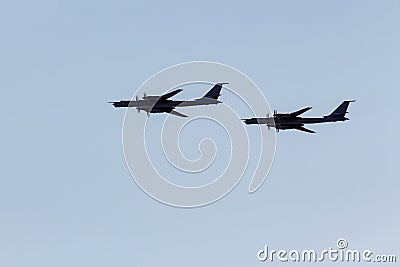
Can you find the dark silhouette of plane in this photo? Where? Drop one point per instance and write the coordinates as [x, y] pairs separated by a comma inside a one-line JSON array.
[[160, 104], [284, 121]]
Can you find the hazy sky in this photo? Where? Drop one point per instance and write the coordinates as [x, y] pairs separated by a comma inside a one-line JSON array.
[[66, 196]]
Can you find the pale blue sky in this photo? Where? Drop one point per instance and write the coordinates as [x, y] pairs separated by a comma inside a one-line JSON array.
[[66, 196]]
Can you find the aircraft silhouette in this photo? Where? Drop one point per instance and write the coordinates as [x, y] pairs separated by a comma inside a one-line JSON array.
[[160, 104], [284, 121]]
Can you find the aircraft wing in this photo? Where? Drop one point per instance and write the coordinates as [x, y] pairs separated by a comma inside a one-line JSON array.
[[301, 128], [301, 111], [171, 94], [176, 113]]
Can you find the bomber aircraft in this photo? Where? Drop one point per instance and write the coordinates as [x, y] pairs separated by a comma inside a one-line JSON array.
[[284, 121], [163, 103]]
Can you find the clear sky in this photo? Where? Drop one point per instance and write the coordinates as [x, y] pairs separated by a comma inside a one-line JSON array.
[[66, 196]]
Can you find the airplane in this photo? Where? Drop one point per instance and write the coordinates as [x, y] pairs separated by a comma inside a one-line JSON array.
[[284, 121], [163, 103]]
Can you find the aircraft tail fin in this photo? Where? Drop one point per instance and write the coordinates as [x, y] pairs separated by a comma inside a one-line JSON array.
[[341, 110], [215, 92]]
